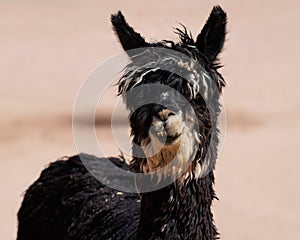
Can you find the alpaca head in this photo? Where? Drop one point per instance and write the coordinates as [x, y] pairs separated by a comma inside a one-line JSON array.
[[172, 91]]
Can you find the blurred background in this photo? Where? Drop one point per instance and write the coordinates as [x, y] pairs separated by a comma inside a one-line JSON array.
[[47, 48]]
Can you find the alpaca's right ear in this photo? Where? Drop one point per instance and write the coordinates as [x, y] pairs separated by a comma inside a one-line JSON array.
[[127, 36]]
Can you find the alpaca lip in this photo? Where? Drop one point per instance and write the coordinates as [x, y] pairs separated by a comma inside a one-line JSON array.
[[171, 139], [168, 139]]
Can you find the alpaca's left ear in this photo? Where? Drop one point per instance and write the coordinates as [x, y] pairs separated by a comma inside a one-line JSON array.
[[211, 39], [127, 36]]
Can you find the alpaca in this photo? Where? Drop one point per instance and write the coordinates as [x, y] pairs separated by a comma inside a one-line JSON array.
[[67, 202]]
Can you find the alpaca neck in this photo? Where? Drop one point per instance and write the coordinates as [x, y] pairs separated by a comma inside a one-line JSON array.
[[179, 212]]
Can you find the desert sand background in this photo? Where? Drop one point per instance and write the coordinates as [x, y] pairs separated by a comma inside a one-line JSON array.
[[47, 48]]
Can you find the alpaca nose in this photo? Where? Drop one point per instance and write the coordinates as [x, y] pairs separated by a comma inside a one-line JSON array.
[[164, 114]]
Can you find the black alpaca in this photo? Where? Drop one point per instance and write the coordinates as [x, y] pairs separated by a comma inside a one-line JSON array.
[[67, 202]]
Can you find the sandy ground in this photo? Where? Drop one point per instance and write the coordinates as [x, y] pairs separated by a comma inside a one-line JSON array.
[[48, 48]]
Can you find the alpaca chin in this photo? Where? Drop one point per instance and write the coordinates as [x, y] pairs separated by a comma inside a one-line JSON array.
[[159, 155]]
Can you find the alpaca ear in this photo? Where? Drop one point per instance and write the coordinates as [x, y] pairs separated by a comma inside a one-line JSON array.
[[128, 38], [211, 39]]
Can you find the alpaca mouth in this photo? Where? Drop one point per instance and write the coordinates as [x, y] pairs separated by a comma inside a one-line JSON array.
[[163, 137]]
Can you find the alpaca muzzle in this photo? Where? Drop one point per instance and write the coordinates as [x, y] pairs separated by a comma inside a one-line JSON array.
[[166, 127]]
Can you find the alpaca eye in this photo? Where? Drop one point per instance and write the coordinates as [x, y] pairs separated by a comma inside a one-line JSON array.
[[197, 97]]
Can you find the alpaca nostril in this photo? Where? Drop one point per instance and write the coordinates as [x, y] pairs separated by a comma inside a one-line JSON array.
[[165, 114], [171, 114]]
